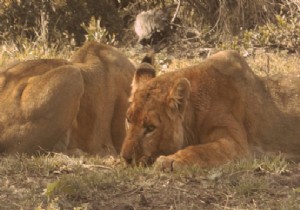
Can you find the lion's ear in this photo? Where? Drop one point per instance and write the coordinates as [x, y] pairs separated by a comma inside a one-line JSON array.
[[143, 73], [179, 95]]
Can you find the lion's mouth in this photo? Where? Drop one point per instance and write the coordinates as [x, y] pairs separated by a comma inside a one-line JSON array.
[[144, 161], [149, 160], [139, 159]]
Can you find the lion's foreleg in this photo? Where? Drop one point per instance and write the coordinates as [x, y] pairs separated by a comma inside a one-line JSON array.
[[224, 142]]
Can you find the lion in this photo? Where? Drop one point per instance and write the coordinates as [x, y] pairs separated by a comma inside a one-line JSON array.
[[205, 115], [66, 106], [38, 102], [99, 127]]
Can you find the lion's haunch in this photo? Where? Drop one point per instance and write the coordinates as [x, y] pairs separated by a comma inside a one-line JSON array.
[[57, 105]]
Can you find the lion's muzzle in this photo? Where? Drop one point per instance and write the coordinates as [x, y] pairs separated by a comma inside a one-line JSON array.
[[133, 155]]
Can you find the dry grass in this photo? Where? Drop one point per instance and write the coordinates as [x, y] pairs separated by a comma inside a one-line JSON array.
[[11, 52], [268, 63], [263, 63], [60, 182]]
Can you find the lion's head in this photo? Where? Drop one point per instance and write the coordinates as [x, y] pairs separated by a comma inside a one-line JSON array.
[[155, 116]]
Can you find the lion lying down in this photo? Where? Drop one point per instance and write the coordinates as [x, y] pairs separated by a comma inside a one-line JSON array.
[[52, 104], [205, 115]]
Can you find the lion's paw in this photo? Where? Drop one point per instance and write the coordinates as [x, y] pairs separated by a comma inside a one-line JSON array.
[[167, 163]]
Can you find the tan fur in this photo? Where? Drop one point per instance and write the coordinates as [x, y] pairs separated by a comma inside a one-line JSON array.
[[48, 105], [38, 102], [206, 115], [99, 127]]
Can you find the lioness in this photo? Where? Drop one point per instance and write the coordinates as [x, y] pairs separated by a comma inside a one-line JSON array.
[[60, 105], [39, 100], [99, 127], [205, 115]]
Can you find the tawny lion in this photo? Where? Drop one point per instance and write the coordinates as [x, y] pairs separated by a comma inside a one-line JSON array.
[[52, 104], [205, 115]]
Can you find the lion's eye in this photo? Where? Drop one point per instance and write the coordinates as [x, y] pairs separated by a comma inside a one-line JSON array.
[[150, 128]]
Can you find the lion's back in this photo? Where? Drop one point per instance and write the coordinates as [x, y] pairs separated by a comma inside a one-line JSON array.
[[271, 114]]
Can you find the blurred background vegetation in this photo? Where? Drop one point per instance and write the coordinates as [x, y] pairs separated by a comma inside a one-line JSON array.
[[213, 23]]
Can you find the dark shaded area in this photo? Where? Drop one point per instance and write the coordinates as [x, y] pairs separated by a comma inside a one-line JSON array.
[[208, 21], [57, 20]]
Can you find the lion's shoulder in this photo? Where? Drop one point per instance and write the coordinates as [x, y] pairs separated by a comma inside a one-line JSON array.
[[94, 52], [230, 63]]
